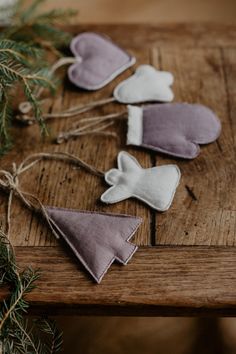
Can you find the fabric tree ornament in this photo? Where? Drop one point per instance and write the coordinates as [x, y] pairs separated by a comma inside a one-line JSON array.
[[176, 129], [97, 239], [154, 186]]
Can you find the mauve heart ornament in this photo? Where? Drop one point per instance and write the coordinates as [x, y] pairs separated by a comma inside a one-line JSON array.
[[99, 61], [146, 85]]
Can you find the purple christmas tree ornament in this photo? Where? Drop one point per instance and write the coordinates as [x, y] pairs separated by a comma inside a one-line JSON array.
[[97, 239]]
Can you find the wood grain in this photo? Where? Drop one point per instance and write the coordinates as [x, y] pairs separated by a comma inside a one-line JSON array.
[[147, 11], [158, 281], [187, 265], [201, 217]]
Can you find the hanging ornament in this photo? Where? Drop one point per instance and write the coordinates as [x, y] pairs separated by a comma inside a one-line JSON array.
[[146, 85], [97, 239], [175, 129], [154, 186], [99, 61], [96, 62]]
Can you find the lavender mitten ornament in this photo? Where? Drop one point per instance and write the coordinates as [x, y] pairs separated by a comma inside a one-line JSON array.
[[99, 61], [154, 186], [146, 85], [176, 129]]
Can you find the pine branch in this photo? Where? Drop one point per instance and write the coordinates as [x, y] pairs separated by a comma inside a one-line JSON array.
[[54, 344], [5, 121], [33, 26], [23, 49], [16, 336], [20, 50], [17, 69]]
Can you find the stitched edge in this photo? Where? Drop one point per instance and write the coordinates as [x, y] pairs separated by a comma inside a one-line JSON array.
[[92, 212], [158, 149], [130, 255]]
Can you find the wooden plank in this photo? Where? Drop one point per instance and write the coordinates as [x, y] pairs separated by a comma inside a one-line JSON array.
[[171, 278], [166, 35], [104, 11], [229, 62], [203, 212], [158, 281]]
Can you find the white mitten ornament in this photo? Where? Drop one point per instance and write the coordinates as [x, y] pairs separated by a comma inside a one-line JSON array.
[[146, 85]]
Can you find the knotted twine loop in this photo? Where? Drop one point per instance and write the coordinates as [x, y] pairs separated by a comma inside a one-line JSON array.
[[95, 125], [9, 182]]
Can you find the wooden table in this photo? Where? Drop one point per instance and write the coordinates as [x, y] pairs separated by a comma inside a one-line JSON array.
[[186, 263]]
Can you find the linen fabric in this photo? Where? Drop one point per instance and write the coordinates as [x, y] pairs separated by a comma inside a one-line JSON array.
[[99, 61], [176, 129], [97, 239], [154, 186]]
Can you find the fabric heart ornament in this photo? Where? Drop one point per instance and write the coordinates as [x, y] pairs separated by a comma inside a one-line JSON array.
[[97, 239], [99, 61], [147, 84], [154, 186], [176, 129]]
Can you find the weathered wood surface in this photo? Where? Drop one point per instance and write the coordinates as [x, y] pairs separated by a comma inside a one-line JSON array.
[[188, 263]]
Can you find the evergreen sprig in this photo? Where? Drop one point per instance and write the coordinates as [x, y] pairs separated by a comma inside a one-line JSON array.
[[17, 335], [23, 60], [29, 25], [17, 68]]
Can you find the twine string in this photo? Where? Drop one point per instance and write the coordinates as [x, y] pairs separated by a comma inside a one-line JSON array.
[[9, 182], [63, 137], [98, 123], [68, 113]]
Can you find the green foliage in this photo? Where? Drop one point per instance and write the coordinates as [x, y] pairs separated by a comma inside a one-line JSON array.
[[23, 66], [29, 25], [17, 335], [23, 54]]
